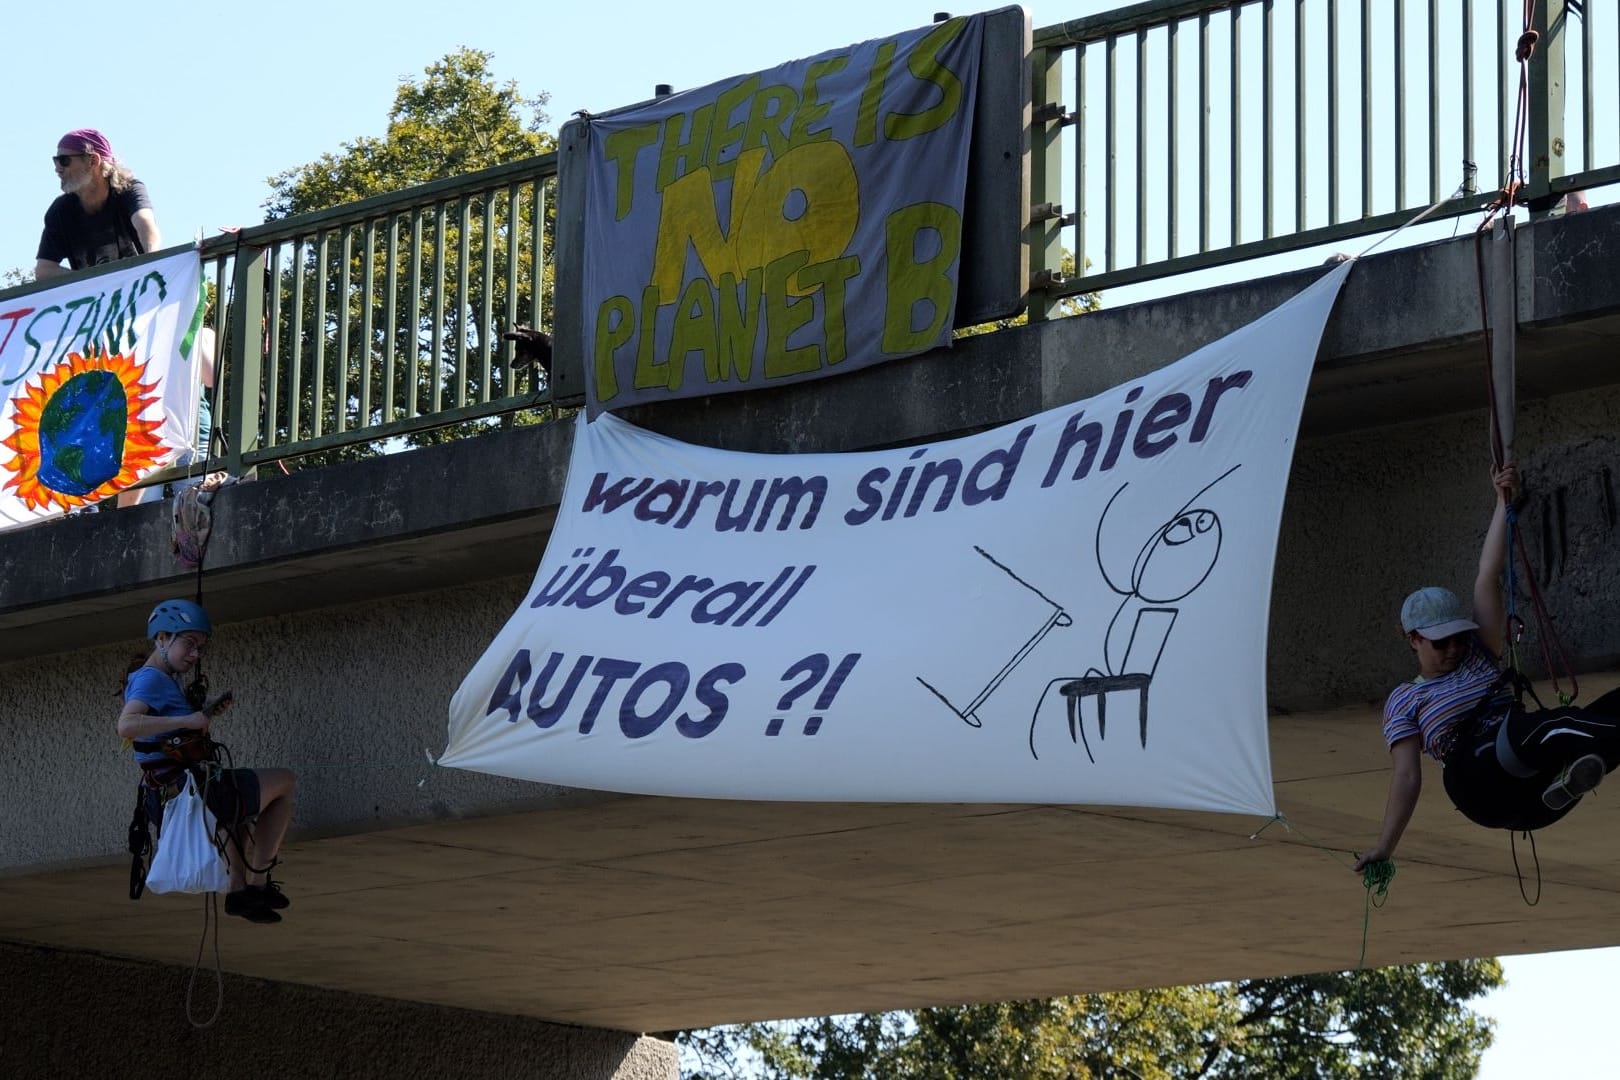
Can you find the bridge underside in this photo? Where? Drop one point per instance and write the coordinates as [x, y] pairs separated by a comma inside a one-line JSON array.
[[651, 914], [647, 914]]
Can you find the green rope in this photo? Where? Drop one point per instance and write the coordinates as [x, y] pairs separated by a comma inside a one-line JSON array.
[[1376, 876], [422, 776], [1275, 818]]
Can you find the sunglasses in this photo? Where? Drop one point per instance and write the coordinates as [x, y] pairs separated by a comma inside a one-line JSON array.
[[62, 161], [1458, 640]]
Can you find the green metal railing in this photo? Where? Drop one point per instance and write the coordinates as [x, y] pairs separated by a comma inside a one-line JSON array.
[[1185, 134], [1204, 132], [382, 318]]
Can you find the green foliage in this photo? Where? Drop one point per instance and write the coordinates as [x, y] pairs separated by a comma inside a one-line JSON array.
[[1080, 304], [1406, 1022], [456, 120], [471, 257]]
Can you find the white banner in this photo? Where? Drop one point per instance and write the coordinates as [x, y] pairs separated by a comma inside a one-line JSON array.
[[98, 385], [1068, 609]]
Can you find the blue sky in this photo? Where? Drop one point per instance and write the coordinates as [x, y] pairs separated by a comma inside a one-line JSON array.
[[207, 100]]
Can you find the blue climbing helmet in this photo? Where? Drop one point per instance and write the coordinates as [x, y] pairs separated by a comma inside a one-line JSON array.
[[177, 617]]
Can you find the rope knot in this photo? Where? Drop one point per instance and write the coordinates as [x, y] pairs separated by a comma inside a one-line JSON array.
[[1376, 876], [1527, 45]]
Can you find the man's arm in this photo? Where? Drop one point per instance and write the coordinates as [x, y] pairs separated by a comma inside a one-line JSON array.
[[43, 269], [146, 229], [1490, 608], [1405, 784], [137, 722]]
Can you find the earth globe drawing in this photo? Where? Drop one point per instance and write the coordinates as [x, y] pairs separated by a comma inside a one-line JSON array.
[[81, 433]]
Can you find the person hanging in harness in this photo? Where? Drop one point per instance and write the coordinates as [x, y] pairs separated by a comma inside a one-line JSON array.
[[170, 734], [1503, 767]]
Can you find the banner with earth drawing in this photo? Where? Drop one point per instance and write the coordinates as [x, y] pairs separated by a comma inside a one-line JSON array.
[[98, 384], [780, 226]]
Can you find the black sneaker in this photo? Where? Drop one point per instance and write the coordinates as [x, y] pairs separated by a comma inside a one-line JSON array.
[[1579, 777], [270, 895], [247, 904]]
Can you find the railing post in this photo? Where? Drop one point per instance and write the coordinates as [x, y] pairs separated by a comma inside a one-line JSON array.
[[244, 372], [1544, 153], [1046, 179]]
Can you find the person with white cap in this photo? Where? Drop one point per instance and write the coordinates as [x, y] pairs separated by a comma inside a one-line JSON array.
[[103, 213], [1503, 767]]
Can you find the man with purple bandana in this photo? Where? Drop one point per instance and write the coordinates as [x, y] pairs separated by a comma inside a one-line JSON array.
[[103, 214]]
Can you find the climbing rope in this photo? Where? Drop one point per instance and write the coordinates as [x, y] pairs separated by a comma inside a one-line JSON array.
[[1554, 657], [1513, 843], [210, 923], [1375, 878]]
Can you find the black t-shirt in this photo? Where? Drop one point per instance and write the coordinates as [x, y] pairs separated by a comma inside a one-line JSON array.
[[92, 239]]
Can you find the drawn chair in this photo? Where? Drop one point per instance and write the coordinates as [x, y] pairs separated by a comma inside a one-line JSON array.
[[1148, 635]]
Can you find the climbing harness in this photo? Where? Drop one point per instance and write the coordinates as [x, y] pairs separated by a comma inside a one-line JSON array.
[[140, 845]]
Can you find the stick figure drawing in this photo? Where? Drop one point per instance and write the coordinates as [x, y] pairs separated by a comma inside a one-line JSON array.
[[1053, 617], [1173, 562]]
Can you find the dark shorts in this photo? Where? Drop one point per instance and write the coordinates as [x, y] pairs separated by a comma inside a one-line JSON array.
[[232, 795]]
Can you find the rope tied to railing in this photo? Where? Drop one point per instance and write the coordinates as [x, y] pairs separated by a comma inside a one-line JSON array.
[[1527, 46], [1552, 647]]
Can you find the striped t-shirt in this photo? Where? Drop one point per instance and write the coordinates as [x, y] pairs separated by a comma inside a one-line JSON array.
[[1434, 708]]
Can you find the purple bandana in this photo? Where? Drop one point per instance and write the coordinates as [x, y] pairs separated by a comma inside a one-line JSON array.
[[86, 141]]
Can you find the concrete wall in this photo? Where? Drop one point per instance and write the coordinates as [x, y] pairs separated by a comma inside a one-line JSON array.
[[352, 695], [78, 1015], [1375, 513], [348, 696]]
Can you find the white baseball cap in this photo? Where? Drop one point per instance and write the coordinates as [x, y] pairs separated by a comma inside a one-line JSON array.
[[1435, 613]]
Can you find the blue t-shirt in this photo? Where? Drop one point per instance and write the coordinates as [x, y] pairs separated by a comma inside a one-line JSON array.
[[162, 697]]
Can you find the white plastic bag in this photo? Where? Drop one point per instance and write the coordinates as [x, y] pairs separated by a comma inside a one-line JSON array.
[[186, 858]]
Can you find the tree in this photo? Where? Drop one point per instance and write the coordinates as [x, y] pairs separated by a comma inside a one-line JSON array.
[[1079, 304], [1403, 1022], [455, 120]]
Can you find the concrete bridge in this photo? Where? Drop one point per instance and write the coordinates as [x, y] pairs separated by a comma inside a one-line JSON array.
[[446, 922]]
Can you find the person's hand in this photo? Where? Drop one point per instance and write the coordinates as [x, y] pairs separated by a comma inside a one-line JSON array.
[[1506, 482], [1377, 853], [530, 346], [198, 721]]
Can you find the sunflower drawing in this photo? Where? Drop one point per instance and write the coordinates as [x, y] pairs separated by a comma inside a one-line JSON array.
[[80, 431]]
